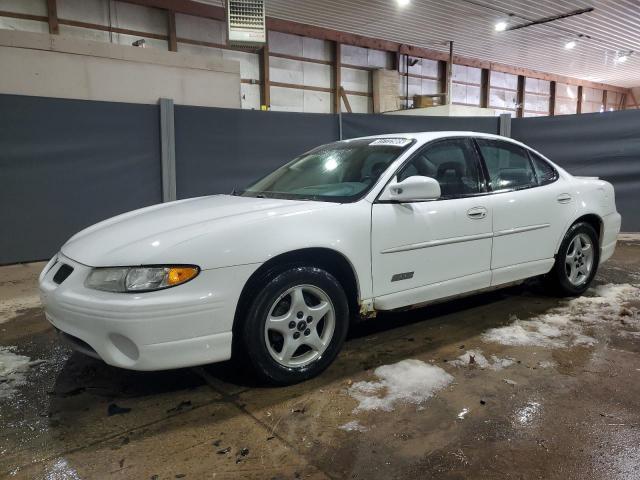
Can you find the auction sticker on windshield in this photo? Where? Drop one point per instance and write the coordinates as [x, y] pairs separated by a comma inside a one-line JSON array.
[[395, 142]]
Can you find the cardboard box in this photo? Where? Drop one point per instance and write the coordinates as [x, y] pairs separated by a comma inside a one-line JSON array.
[[421, 101]]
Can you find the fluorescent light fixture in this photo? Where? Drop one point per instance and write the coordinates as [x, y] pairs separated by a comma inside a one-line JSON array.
[[570, 45], [624, 56], [501, 26], [403, 3]]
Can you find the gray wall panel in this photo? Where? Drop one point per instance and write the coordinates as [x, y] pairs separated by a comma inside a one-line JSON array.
[[66, 164], [360, 125], [605, 145], [220, 149]]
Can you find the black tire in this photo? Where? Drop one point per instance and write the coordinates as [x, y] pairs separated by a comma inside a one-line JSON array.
[[558, 279], [251, 330]]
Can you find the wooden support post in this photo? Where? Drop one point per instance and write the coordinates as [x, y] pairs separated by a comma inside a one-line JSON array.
[[173, 38], [265, 84], [579, 106], [485, 79], [552, 98], [52, 16], [604, 100], [442, 79], [337, 77], [345, 99], [633, 97], [522, 80]]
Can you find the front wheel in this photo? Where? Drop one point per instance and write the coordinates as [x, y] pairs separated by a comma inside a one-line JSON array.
[[296, 325], [577, 261]]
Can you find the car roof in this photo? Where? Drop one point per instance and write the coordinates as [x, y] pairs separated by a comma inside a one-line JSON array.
[[428, 136]]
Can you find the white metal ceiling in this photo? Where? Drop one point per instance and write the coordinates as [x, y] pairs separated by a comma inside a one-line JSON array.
[[614, 26]]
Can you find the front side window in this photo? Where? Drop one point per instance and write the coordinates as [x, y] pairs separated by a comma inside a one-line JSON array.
[[507, 164], [453, 163], [337, 172], [544, 171]]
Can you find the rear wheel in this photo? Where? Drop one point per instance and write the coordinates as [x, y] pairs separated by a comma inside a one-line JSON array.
[[577, 261], [296, 325]]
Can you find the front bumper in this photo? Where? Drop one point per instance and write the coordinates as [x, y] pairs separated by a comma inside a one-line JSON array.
[[178, 327]]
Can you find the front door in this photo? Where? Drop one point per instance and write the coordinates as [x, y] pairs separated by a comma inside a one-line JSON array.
[[430, 249]]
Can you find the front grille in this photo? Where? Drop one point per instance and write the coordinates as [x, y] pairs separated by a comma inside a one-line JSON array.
[[63, 273]]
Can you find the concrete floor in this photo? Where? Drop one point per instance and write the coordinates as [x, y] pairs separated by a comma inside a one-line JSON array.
[[566, 408]]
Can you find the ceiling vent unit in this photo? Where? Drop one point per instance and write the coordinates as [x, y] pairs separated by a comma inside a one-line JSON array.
[[246, 22]]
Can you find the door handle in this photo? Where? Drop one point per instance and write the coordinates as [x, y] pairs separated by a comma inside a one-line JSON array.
[[477, 213], [563, 198]]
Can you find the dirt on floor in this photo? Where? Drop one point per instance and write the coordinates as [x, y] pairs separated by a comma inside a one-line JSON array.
[[508, 384]]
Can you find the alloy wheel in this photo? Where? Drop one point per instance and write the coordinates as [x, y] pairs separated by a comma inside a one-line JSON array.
[[579, 259], [299, 326]]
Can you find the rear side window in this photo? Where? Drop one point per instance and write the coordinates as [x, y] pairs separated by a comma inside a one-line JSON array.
[[508, 165], [453, 163], [544, 171]]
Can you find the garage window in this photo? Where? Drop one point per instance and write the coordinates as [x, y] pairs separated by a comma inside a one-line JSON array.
[[508, 165]]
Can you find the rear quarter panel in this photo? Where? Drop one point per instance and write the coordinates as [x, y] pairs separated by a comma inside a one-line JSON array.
[[596, 197]]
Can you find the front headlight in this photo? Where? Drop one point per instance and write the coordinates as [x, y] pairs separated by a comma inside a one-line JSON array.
[[140, 279]]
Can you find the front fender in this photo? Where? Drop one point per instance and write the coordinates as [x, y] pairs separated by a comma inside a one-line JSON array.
[[344, 229]]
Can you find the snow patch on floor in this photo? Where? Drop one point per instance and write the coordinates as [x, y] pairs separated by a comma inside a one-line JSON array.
[[10, 307], [408, 381], [482, 362], [564, 326], [13, 371], [353, 426], [61, 470], [547, 364]]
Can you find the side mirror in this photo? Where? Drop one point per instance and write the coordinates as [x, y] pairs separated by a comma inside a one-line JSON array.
[[412, 189]]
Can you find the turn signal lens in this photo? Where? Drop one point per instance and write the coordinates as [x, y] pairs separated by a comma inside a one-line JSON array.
[[178, 275]]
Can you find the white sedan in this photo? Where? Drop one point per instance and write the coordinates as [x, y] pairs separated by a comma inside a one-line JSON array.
[[275, 273]]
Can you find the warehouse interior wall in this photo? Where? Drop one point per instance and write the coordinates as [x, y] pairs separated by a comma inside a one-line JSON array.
[[303, 71], [54, 66]]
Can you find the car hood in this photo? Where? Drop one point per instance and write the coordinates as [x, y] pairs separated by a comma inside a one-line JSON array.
[[161, 233]]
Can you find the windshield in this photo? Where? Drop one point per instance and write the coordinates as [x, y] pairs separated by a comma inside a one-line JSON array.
[[337, 172]]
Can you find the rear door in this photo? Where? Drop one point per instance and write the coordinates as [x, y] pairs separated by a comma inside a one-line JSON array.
[[531, 207]]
